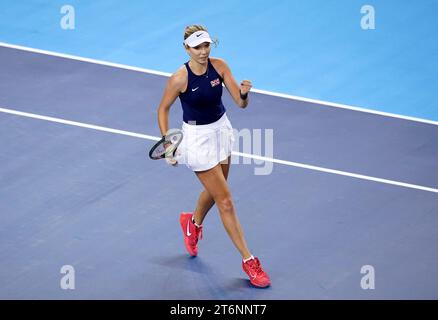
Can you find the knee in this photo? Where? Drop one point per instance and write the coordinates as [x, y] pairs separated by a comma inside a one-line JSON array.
[[225, 204]]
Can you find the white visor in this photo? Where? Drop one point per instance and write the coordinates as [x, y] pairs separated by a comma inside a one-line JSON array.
[[197, 38]]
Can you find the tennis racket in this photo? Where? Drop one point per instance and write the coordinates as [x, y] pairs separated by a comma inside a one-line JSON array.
[[167, 146]]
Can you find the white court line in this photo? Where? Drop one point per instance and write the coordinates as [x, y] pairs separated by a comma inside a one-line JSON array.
[[78, 124], [247, 155], [166, 74]]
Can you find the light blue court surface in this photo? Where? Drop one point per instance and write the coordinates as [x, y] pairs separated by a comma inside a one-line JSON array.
[[348, 189], [315, 49]]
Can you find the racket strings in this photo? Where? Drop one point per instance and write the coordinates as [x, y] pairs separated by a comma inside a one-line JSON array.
[[167, 147]]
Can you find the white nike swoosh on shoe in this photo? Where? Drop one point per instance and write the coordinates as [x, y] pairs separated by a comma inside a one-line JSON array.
[[188, 229], [251, 275]]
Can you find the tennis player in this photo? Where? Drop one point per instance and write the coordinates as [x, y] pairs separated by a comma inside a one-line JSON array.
[[208, 140]]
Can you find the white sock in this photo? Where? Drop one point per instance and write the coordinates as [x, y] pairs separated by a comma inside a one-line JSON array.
[[250, 258]]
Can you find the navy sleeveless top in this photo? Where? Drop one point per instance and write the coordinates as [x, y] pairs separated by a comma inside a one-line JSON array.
[[202, 100]]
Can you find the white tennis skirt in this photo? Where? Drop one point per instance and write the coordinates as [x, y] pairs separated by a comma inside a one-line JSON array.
[[204, 146]]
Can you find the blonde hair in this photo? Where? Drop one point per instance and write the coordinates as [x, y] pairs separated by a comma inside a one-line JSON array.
[[189, 30]]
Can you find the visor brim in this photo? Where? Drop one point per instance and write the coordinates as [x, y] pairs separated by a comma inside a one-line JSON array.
[[197, 42]]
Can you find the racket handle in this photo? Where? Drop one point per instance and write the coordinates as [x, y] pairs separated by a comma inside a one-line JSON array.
[[172, 161]]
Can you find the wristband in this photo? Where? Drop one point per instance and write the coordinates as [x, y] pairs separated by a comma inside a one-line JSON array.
[[243, 96]]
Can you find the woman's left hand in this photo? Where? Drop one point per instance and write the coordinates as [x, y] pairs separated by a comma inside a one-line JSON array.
[[245, 86]]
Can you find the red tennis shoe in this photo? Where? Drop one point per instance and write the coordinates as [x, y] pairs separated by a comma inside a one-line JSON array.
[[191, 233], [257, 276]]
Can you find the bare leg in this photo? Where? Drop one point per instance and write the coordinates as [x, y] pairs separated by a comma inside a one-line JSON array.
[[216, 185], [206, 201]]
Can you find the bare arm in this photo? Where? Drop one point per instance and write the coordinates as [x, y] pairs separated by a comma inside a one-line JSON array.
[[233, 88], [175, 85]]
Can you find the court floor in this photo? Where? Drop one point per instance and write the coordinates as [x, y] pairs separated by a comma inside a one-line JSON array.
[[345, 190]]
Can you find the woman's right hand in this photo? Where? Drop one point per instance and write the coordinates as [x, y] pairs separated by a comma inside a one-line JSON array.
[[172, 161], [169, 155]]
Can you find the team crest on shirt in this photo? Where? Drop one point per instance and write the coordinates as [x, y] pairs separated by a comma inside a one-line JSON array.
[[215, 82]]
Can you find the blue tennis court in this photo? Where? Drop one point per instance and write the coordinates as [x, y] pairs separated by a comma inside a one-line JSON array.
[[339, 201]]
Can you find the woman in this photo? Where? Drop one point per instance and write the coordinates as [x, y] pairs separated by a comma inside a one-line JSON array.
[[207, 143]]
